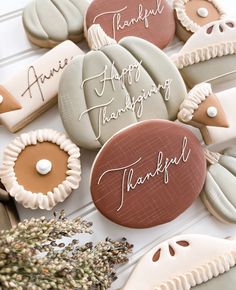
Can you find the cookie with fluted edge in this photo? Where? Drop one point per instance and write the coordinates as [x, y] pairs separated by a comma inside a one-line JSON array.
[[209, 55], [193, 14], [41, 168], [50, 22], [187, 262]]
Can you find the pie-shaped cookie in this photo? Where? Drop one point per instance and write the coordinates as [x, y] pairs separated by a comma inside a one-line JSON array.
[[192, 14], [152, 20], [41, 168], [203, 109], [115, 85], [148, 174], [49, 22], [209, 55], [187, 262]]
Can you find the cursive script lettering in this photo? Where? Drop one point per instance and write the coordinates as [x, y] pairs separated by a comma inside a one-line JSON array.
[[143, 15], [163, 165], [37, 80]]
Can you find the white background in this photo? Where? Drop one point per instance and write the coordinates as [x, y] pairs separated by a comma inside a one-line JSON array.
[[15, 52]]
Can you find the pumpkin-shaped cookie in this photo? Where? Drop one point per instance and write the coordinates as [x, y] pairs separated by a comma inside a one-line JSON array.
[[209, 55], [41, 168], [192, 14], [185, 262], [152, 20], [219, 190], [115, 85], [49, 22]]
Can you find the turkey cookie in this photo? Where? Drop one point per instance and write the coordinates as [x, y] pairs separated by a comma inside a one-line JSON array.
[[187, 262], [50, 22], [34, 89], [202, 108], [192, 14], [41, 168], [209, 54], [115, 85], [148, 174], [152, 20], [219, 190]]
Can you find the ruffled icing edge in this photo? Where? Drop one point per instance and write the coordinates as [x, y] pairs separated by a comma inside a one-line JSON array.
[[201, 274], [187, 23], [39, 200], [204, 54], [191, 103]]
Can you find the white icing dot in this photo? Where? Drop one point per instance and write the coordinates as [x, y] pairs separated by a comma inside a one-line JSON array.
[[1, 99], [44, 166], [202, 12], [212, 112]]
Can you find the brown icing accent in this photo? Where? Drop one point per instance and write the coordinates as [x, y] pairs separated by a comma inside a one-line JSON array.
[[26, 173], [161, 28], [181, 31], [153, 202], [156, 256], [172, 251], [192, 6], [183, 243], [200, 115], [9, 102]]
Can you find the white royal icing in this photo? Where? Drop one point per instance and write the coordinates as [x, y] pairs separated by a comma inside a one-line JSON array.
[[203, 12], [201, 259], [1, 99], [213, 40], [58, 194], [212, 112], [44, 166], [191, 103], [189, 24]]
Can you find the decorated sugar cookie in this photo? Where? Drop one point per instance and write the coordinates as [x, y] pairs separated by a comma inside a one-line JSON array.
[[49, 22], [115, 85], [152, 20], [202, 108], [192, 14], [148, 174], [209, 55], [187, 262], [219, 190], [41, 168], [34, 89]]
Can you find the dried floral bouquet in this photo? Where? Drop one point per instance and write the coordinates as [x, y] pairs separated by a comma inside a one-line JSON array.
[[32, 258]]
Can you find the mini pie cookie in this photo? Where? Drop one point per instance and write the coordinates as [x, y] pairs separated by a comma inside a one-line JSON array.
[[33, 90], [50, 22], [115, 85], [209, 54], [152, 20], [41, 168], [148, 174], [187, 262], [219, 191], [202, 109], [192, 14]]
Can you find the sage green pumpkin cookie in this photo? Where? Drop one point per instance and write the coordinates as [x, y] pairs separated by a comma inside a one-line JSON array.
[[50, 22], [116, 85]]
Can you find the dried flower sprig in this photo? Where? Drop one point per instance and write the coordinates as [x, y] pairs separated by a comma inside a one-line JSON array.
[[32, 258]]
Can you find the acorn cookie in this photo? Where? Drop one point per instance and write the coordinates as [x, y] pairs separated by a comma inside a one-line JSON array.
[[41, 168], [187, 262], [192, 14]]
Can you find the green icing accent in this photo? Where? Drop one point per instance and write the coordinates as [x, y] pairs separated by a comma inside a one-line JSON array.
[[227, 281]]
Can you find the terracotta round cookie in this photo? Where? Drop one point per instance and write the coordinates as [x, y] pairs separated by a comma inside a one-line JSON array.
[[48, 22], [152, 20], [185, 262], [192, 14], [148, 174], [41, 168]]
